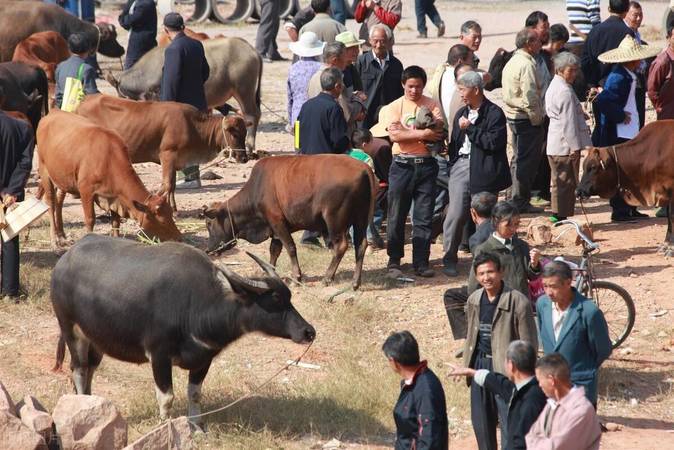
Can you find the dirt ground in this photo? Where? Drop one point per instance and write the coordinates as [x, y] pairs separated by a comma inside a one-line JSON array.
[[352, 393]]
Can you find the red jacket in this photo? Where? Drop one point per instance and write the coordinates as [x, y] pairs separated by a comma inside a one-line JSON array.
[[386, 17]]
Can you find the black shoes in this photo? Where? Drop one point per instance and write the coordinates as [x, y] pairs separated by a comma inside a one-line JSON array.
[[424, 272]]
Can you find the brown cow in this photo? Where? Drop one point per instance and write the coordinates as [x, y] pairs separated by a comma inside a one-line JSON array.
[[163, 39], [325, 193], [44, 50], [80, 158], [172, 134], [640, 169]]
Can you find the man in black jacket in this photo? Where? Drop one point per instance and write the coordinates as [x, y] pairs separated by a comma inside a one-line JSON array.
[[183, 77], [477, 158], [139, 17], [16, 157], [420, 413], [520, 389], [380, 73], [604, 37]]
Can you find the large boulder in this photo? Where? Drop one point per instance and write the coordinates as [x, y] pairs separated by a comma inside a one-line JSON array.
[[89, 422], [179, 430], [6, 403], [15, 436], [35, 416]]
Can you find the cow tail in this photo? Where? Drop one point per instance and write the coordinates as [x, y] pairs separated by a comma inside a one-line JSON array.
[[258, 91], [44, 88], [373, 195], [60, 353]]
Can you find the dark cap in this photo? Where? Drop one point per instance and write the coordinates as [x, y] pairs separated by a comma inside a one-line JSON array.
[[174, 21]]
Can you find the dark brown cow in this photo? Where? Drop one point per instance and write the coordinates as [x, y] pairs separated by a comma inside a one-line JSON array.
[[325, 193], [174, 135], [45, 50], [25, 89], [640, 169], [80, 158]]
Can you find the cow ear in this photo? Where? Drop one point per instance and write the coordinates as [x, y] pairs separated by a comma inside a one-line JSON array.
[[210, 213], [140, 207]]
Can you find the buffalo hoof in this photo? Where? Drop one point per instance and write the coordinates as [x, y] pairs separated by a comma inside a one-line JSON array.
[[666, 249], [355, 285], [327, 281]]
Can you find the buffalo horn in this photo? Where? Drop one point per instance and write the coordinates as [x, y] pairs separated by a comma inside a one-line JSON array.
[[258, 287], [268, 268]]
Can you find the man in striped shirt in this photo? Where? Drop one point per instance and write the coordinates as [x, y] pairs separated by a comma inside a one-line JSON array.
[[583, 15]]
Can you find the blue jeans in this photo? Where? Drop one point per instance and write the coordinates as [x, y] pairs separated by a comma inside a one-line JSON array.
[[423, 8], [411, 181], [338, 9]]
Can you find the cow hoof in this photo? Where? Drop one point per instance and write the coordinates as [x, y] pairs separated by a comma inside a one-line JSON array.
[[327, 281], [355, 285], [666, 250]]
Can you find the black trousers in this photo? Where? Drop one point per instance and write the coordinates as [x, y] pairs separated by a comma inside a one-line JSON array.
[[542, 182], [9, 260], [410, 181], [265, 41], [528, 146], [455, 305], [486, 410]]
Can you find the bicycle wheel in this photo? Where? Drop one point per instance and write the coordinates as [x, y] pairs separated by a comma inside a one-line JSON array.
[[618, 308]]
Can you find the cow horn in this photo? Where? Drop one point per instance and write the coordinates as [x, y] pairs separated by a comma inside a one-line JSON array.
[[268, 268], [258, 287]]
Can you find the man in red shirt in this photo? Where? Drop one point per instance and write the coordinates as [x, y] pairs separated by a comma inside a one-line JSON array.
[[660, 87], [372, 12]]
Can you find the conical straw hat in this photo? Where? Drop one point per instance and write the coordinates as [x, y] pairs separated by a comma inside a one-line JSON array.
[[629, 50]]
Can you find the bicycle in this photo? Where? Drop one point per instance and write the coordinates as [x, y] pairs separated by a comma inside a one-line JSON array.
[[613, 300]]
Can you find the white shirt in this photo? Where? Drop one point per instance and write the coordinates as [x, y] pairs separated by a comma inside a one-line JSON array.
[[447, 88], [558, 317], [381, 62], [503, 241], [472, 116], [628, 131]]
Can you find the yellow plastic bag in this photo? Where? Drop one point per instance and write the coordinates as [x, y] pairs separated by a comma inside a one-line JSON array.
[[73, 93]]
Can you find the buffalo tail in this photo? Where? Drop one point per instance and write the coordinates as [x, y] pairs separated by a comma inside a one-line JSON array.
[[60, 354]]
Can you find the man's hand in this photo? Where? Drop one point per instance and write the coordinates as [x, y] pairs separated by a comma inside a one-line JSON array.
[[535, 255], [458, 371], [361, 95], [628, 118], [463, 123], [8, 200], [432, 135], [395, 126], [574, 155]]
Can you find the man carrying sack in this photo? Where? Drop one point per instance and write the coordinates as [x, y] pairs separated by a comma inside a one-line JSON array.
[[74, 76], [16, 159]]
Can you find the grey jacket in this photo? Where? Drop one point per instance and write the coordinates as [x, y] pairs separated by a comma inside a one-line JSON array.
[[568, 130], [69, 68]]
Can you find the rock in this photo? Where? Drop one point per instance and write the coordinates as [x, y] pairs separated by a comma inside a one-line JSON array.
[[89, 422], [15, 436], [539, 233], [6, 403], [332, 444], [634, 402], [210, 175], [34, 416], [610, 426], [181, 437]]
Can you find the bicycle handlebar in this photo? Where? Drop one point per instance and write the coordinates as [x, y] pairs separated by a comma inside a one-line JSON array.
[[590, 244]]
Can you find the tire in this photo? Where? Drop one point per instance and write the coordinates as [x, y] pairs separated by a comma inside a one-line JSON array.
[[200, 10], [618, 308], [243, 10]]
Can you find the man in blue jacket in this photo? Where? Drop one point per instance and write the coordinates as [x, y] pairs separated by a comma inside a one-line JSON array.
[[16, 156], [185, 73], [421, 413], [573, 326], [140, 18]]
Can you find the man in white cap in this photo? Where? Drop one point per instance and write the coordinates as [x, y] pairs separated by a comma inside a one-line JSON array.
[[307, 48], [351, 75]]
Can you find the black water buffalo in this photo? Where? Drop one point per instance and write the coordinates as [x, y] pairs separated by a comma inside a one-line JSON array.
[[167, 304], [18, 20], [26, 89], [640, 170], [325, 193]]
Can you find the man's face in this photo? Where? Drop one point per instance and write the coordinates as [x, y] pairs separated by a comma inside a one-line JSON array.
[[546, 382], [634, 17], [542, 28], [472, 40], [535, 45], [379, 43], [469, 95], [414, 89], [557, 288], [507, 228], [488, 275], [339, 87], [340, 62], [351, 54]]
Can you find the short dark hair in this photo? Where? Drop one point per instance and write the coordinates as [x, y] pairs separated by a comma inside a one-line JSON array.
[[534, 18], [360, 137], [483, 203], [559, 33], [556, 365], [78, 43], [456, 53], [330, 78], [484, 258], [458, 68], [402, 348], [503, 211], [558, 269], [635, 5], [618, 6], [470, 25], [413, 72], [523, 356], [320, 6]]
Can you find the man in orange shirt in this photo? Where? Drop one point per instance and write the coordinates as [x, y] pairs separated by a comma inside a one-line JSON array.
[[413, 171]]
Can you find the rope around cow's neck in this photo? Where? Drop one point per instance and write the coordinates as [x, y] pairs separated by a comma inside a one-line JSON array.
[[617, 167]]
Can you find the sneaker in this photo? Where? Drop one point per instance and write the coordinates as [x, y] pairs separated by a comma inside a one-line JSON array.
[[662, 212], [450, 271], [424, 272], [441, 29], [192, 184], [422, 35], [638, 215], [555, 218], [540, 201]]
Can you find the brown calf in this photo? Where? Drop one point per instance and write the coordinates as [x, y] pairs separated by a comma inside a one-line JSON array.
[[80, 158], [163, 39], [45, 50]]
